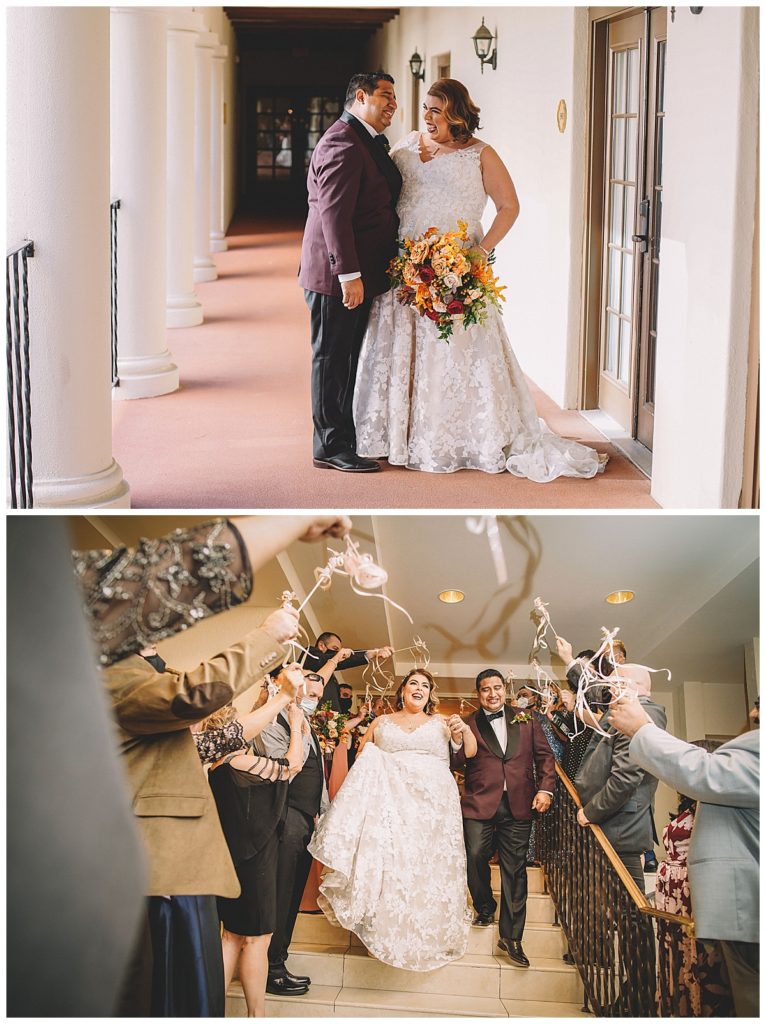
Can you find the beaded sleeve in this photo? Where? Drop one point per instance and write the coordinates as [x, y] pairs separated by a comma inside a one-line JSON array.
[[213, 744], [135, 597]]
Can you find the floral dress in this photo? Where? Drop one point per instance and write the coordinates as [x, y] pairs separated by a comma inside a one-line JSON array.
[[392, 843], [438, 407], [698, 987]]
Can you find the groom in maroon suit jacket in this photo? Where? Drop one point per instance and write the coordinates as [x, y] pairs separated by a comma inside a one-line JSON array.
[[498, 799], [348, 242]]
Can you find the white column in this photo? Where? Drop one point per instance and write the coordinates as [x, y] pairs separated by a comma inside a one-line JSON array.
[[183, 306], [204, 267], [58, 189], [139, 159], [217, 221]]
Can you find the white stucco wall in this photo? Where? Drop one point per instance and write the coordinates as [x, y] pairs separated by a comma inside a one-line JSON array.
[[541, 60], [706, 257]]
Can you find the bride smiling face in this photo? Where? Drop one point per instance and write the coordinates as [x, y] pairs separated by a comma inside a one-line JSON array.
[[416, 693], [450, 115], [437, 126]]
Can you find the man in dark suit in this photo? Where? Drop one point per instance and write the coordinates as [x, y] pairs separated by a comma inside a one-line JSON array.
[[616, 794], [498, 799], [348, 242], [307, 798], [329, 649]]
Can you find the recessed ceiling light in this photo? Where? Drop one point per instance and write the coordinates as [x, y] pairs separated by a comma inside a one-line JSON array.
[[451, 596], [620, 596]]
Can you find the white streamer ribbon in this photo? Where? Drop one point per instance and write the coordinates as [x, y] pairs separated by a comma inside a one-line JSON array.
[[488, 524]]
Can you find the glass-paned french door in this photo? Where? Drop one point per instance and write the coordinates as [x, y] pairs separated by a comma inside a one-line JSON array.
[[282, 128], [632, 134]]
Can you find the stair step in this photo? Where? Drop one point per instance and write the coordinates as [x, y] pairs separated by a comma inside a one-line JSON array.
[[362, 1002], [535, 1008], [540, 939], [328, 1000], [547, 978], [319, 1001], [323, 964]]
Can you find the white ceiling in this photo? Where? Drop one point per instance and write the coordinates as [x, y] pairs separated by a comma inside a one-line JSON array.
[[695, 578]]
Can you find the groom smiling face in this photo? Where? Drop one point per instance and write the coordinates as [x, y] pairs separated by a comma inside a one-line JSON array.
[[377, 108], [491, 691]]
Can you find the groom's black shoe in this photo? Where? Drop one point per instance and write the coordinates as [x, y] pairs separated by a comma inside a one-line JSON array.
[[483, 920], [280, 985], [297, 979], [348, 462], [515, 953]]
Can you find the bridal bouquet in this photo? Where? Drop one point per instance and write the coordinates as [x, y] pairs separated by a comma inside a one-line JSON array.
[[328, 725], [445, 278]]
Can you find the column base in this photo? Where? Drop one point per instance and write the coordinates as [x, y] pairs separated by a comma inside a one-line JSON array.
[[184, 311], [218, 242], [206, 271], [106, 489], [145, 377]]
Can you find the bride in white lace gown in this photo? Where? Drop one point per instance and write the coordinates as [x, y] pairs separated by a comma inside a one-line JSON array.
[[392, 840], [436, 406]]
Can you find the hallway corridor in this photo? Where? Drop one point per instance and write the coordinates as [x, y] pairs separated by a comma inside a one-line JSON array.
[[238, 432]]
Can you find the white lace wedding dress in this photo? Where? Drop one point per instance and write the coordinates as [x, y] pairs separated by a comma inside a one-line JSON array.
[[392, 842], [429, 405]]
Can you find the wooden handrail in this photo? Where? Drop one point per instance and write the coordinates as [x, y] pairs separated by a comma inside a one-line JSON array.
[[638, 897]]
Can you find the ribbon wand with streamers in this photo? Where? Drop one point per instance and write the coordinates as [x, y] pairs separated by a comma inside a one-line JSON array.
[[488, 525], [541, 613]]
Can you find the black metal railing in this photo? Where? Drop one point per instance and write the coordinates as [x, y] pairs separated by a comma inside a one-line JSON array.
[[19, 382], [114, 208], [607, 920]]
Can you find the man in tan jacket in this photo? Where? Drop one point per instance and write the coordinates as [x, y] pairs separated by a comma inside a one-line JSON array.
[[189, 862]]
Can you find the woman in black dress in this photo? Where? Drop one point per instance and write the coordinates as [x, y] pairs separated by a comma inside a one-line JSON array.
[[250, 791]]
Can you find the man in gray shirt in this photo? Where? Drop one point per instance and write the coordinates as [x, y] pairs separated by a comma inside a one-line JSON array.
[[723, 856]]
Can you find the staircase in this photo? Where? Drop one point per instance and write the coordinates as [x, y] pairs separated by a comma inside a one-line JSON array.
[[347, 982]]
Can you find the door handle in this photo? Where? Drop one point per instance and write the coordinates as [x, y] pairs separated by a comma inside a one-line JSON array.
[[642, 237]]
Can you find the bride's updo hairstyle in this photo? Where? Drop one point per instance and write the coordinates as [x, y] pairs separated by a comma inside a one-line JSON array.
[[460, 112], [433, 701]]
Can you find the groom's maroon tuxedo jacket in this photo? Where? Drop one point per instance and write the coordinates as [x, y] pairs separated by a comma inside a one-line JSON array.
[[353, 186], [527, 748]]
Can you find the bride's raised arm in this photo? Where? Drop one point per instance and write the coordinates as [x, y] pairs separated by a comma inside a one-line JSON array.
[[499, 186], [368, 735]]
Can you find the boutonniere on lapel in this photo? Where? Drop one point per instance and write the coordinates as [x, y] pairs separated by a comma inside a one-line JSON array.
[[522, 716]]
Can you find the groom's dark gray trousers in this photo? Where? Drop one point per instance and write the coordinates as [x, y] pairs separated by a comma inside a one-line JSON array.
[[512, 838], [336, 341]]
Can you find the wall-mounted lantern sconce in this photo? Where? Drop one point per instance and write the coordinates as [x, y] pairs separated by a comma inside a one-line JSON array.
[[482, 41], [416, 63], [694, 10]]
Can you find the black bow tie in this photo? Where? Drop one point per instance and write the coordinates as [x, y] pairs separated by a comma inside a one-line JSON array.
[[383, 142], [497, 714]]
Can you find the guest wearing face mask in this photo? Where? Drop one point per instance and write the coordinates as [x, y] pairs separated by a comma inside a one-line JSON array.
[[307, 797], [330, 653]]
